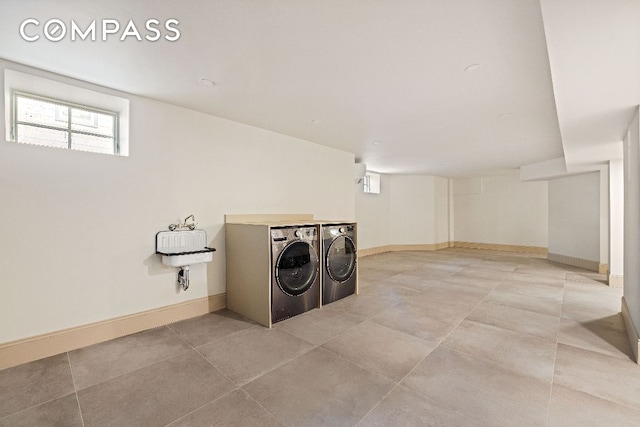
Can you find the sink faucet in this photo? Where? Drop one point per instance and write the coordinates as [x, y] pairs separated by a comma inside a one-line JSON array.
[[190, 226]]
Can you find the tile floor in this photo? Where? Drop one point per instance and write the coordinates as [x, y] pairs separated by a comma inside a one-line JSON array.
[[454, 337]]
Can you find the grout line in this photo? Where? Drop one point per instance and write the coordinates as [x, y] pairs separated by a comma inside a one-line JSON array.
[[215, 367], [553, 376], [398, 383], [555, 359], [200, 407], [266, 410], [75, 389]]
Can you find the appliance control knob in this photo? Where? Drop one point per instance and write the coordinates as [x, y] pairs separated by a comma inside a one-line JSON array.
[[297, 233], [341, 229]]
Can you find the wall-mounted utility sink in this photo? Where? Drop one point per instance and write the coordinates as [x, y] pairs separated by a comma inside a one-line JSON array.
[[183, 247], [180, 259]]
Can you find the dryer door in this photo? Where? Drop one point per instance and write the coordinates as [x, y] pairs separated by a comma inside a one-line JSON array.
[[297, 268], [341, 259]]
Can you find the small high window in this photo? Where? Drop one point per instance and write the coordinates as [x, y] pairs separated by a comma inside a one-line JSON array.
[[52, 122], [372, 183]]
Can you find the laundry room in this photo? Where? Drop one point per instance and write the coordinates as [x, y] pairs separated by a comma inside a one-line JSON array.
[[95, 218], [388, 213]]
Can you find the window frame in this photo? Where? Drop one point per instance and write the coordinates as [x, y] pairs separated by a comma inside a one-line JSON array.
[[15, 94], [367, 187]]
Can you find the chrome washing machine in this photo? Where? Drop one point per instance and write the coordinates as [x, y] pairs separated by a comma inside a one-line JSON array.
[[295, 281], [339, 250]]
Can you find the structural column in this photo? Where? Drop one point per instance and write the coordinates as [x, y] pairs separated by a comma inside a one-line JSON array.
[[616, 223]]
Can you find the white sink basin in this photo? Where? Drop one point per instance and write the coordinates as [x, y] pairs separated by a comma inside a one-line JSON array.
[[183, 259], [184, 247]]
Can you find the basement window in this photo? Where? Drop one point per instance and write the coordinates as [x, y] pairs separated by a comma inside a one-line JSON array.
[[372, 183], [52, 122], [50, 112]]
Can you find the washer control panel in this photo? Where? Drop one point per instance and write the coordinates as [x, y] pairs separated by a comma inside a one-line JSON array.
[[285, 234]]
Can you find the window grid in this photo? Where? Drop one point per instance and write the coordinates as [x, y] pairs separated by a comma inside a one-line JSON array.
[[70, 107]]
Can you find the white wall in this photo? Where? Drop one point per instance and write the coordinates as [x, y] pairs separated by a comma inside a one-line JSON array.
[[372, 215], [441, 210], [632, 220], [78, 229], [412, 209], [501, 210], [574, 216]]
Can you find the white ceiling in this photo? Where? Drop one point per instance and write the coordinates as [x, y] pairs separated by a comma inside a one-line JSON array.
[[382, 71]]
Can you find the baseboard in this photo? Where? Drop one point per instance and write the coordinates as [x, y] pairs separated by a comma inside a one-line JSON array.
[[373, 251], [632, 332], [575, 262], [30, 349], [499, 247], [616, 281], [425, 247], [402, 248]]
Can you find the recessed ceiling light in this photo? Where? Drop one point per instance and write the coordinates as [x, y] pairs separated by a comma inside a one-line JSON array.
[[504, 116], [472, 67], [376, 142], [315, 121], [207, 82]]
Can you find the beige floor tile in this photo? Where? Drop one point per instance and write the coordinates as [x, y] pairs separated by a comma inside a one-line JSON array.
[[34, 383], [63, 411], [531, 289], [543, 269], [210, 327], [155, 395], [236, 409], [607, 377], [318, 326], [450, 294], [101, 362], [446, 267], [502, 264], [371, 275], [393, 293], [480, 283], [381, 350], [521, 353], [595, 337], [248, 354], [572, 408], [539, 304], [415, 282], [404, 407], [433, 323], [596, 298], [319, 389], [361, 306], [491, 366], [603, 317], [485, 271], [515, 319], [590, 278], [489, 394], [593, 286]]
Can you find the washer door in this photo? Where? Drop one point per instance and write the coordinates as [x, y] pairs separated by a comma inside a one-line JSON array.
[[341, 259], [297, 268]]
